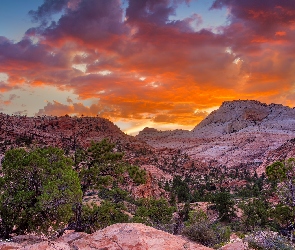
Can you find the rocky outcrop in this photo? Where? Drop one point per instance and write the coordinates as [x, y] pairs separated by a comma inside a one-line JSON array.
[[254, 116], [116, 237], [231, 117], [239, 133]]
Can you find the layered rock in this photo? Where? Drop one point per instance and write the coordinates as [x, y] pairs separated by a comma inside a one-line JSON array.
[[285, 151], [239, 133], [116, 237]]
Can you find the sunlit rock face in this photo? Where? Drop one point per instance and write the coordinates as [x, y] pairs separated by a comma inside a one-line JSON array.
[[239, 133], [115, 237], [244, 116]]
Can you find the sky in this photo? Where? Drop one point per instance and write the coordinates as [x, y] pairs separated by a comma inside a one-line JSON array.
[[144, 63]]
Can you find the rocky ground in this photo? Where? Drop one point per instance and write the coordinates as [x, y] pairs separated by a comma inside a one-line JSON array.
[[116, 237]]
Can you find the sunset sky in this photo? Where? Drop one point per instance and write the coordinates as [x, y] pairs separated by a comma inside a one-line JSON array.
[[156, 63]]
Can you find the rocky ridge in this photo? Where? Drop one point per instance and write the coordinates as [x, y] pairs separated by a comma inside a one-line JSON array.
[[64, 132], [239, 133], [70, 133]]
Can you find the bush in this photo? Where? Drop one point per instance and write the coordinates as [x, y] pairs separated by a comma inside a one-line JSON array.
[[152, 212], [201, 230], [95, 217], [207, 234], [267, 240]]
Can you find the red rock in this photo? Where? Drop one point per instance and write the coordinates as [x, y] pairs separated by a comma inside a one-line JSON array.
[[136, 237], [238, 134], [235, 246], [125, 236]]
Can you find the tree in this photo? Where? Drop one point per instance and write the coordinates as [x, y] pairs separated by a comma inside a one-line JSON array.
[[255, 213], [95, 217], [138, 175], [100, 165], [181, 189], [39, 190], [283, 173], [154, 212], [224, 204]]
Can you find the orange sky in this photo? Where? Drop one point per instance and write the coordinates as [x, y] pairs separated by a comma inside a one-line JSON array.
[[145, 63]]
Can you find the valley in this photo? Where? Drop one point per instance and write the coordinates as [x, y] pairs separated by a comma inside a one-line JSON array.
[[211, 179]]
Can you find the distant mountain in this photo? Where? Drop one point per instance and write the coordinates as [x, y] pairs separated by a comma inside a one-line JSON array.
[[243, 116], [65, 132], [239, 133]]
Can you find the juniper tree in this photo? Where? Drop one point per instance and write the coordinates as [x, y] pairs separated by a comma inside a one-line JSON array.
[[283, 174], [38, 191]]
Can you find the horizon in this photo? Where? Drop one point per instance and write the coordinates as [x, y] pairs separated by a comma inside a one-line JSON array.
[[136, 131], [164, 64]]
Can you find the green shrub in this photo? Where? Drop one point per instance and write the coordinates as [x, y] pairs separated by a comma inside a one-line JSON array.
[[38, 191], [208, 234], [200, 229], [95, 217], [152, 212]]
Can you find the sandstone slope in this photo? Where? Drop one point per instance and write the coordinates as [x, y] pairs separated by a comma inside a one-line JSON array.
[[239, 133], [115, 237]]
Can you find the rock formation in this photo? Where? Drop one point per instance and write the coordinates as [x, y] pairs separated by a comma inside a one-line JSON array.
[[115, 237], [239, 133]]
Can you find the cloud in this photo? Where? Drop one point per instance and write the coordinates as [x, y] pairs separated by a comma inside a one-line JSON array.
[[99, 21], [48, 8], [149, 66]]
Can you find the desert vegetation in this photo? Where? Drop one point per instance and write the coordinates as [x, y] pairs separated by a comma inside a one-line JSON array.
[[54, 178], [45, 191]]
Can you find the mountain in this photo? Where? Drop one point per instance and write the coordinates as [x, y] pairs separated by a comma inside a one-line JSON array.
[[239, 133], [245, 116], [65, 132]]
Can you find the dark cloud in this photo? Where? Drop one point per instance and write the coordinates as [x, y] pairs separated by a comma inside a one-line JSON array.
[[48, 8], [260, 17], [152, 11], [282, 10], [92, 21]]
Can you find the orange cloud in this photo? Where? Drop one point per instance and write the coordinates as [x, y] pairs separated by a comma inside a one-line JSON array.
[[148, 67]]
